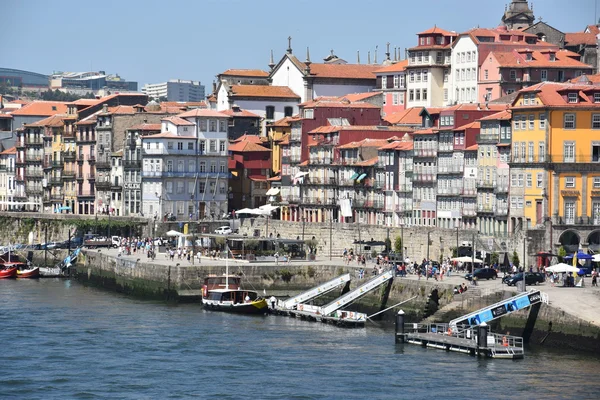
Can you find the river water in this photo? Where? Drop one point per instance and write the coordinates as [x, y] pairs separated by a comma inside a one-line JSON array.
[[63, 340]]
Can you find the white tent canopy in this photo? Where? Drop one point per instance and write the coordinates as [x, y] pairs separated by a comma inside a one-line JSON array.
[[174, 233], [562, 267], [244, 211], [466, 259], [268, 208], [596, 258]]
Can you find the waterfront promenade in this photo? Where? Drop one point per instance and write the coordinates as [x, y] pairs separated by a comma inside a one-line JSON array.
[[583, 303]]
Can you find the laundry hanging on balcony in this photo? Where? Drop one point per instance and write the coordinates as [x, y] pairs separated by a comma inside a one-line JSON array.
[[353, 177], [360, 178]]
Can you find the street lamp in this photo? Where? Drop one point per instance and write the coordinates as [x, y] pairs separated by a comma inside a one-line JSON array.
[[402, 241], [428, 235]]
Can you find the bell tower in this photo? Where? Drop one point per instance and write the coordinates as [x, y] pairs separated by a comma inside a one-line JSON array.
[[518, 15]]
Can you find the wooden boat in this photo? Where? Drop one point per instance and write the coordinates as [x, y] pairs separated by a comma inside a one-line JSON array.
[[28, 273], [224, 293], [8, 272]]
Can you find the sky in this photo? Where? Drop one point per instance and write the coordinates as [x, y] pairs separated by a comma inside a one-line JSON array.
[[151, 41]]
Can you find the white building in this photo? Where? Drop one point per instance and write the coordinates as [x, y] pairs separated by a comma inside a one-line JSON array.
[[175, 90], [7, 178]]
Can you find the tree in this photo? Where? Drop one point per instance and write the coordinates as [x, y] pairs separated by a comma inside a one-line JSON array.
[[454, 252], [388, 244], [562, 253], [494, 258], [398, 244], [515, 259]]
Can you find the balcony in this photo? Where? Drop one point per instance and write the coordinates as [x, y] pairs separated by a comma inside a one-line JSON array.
[[58, 198], [424, 177], [36, 141], [446, 148], [502, 211], [486, 138], [82, 138], [293, 199], [175, 174], [56, 181], [404, 188], [80, 158], [501, 187], [20, 144], [524, 161], [404, 207], [5, 168], [34, 174], [469, 212], [20, 161], [68, 156], [33, 159], [578, 220], [91, 177], [19, 178], [90, 158], [86, 193], [285, 159], [132, 164], [57, 164], [485, 184], [103, 164], [67, 175], [449, 191], [469, 192], [577, 163], [103, 184], [425, 153], [34, 191], [451, 169], [365, 203], [485, 208], [318, 201]]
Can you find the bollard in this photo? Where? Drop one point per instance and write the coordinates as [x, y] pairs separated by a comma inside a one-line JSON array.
[[400, 338]]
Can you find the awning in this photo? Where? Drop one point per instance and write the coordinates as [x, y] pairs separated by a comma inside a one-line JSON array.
[[360, 178], [273, 192], [353, 177]]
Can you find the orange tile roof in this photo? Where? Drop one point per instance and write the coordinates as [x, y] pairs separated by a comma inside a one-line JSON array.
[[201, 112], [41, 108], [551, 95], [499, 116], [593, 29], [184, 104], [472, 148], [410, 116], [472, 125], [365, 143], [428, 131], [367, 163], [303, 163], [248, 138], [439, 31], [91, 120], [19, 101], [375, 128], [51, 121], [246, 72], [168, 135], [178, 121], [355, 97], [121, 110], [398, 145], [241, 113], [336, 102], [580, 38], [343, 71], [7, 116], [516, 59], [471, 107], [400, 66], [592, 78], [247, 147], [285, 139], [285, 121], [496, 32], [263, 91], [145, 127], [211, 98], [12, 150], [85, 102]]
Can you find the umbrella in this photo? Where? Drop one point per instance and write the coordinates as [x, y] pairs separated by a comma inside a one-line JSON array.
[[466, 259], [244, 211], [268, 208], [580, 255], [562, 267], [174, 233], [596, 258], [506, 262]]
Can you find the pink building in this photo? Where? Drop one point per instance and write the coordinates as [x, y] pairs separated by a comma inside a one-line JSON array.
[[505, 72], [391, 80]]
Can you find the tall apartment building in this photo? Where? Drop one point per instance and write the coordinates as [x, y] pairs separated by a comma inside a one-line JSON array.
[[175, 90]]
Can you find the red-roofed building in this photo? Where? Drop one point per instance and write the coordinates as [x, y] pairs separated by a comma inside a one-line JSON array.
[[391, 80], [427, 72], [509, 71], [8, 187], [250, 167], [242, 122]]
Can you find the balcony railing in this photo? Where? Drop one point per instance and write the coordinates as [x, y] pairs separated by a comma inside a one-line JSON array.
[[577, 220], [132, 164], [19, 178], [56, 181], [33, 141], [469, 212], [424, 177], [293, 199], [103, 184], [68, 174], [451, 169], [485, 208], [485, 184], [502, 211], [86, 193], [103, 164], [501, 187], [486, 138], [34, 174], [318, 201], [68, 155], [404, 188], [34, 190], [175, 174], [429, 152], [469, 192], [449, 191]]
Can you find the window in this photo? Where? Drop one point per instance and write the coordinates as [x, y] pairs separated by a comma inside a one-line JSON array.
[[542, 121], [445, 95], [531, 122], [222, 167], [384, 82], [191, 166], [169, 165], [203, 125], [412, 76], [395, 98], [520, 180], [170, 145], [180, 166], [561, 76], [425, 75], [418, 76], [529, 181], [212, 146], [595, 151], [169, 187], [212, 125], [595, 121], [569, 121], [513, 74], [396, 81], [539, 180], [572, 97], [424, 94], [525, 99], [569, 182], [179, 145], [222, 125], [446, 73], [418, 95], [570, 212], [179, 187], [523, 122], [516, 123], [190, 146], [542, 151], [202, 147], [270, 112], [222, 146], [486, 75], [309, 113], [569, 152], [411, 95], [544, 75], [597, 97], [288, 111], [597, 182], [438, 57], [202, 167], [213, 167]]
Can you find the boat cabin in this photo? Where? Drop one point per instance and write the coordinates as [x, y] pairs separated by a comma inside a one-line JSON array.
[[233, 296], [213, 282]]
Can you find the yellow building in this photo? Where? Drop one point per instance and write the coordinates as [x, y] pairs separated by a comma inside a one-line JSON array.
[[556, 161], [276, 133]]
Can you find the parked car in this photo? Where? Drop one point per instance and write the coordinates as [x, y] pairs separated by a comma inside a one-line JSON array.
[[531, 278], [223, 230], [482, 273]]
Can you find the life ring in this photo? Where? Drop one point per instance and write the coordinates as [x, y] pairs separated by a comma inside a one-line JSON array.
[[449, 331], [300, 307], [504, 341]]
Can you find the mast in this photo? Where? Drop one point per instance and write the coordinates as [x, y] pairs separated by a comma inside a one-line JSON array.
[[226, 265]]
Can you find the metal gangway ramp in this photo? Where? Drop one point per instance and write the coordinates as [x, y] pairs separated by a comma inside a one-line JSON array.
[[500, 309], [317, 291], [351, 296]]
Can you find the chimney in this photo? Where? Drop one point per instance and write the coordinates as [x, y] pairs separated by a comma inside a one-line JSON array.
[[369, 57], [214, 87], [358, 56], [104, 107], [272, 61]]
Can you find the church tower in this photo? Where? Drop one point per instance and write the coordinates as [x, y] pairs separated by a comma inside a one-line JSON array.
[[518, 15]]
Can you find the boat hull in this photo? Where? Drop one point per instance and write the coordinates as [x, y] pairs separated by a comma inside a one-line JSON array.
[[9, 273], [254, 307], [33, 273]]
